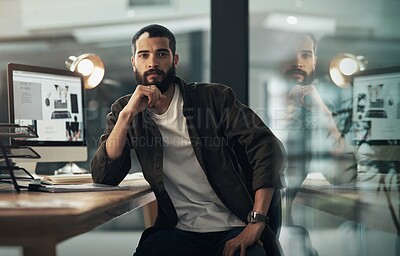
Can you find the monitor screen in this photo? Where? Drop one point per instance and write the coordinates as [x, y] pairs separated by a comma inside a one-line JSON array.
[[376, 109], [51, 102]]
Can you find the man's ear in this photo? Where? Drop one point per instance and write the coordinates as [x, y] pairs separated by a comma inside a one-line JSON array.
[[133, 64], [176, 59]]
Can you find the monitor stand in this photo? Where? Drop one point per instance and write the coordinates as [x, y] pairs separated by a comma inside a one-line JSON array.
[[70, 168]]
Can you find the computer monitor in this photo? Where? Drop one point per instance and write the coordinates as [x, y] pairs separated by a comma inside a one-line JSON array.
[[51, 101], [376, 112]]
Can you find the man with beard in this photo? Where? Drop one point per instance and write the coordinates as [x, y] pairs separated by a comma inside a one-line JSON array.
[[214, 167], [299, 71], [310, 120]]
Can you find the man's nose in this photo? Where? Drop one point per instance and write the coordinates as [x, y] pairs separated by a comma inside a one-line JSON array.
[[153, 62], [297, 61]]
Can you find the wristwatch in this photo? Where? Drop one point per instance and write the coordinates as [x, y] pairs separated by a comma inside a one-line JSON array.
[[254, 217]]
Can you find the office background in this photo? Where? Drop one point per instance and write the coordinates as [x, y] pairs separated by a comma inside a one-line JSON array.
[[212, 43]]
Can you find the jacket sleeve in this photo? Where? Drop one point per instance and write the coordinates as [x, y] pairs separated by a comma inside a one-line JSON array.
[[263, 150], [104, 170]]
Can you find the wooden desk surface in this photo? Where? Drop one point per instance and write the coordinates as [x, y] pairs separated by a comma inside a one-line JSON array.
[[39, 220], [372, 203]]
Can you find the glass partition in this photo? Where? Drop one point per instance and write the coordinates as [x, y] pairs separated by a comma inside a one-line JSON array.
[[305, 58]]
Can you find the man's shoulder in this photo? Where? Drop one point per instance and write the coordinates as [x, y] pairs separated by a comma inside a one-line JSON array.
[[200, 87], [121, 101], [205, 87]]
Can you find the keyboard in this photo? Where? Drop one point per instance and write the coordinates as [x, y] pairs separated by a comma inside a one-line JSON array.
[[376, 114], [60, 114]]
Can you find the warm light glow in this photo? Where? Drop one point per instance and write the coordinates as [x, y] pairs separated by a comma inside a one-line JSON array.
[[348, 66], [344, 67], [337, 77], [292, 20], [95, 78], [90, 66], [85, 67]]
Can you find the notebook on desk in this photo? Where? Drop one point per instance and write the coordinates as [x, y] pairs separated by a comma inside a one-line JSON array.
[[88, 187], [67, 179]]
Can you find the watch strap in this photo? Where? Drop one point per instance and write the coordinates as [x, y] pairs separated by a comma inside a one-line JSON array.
[[254, 217]]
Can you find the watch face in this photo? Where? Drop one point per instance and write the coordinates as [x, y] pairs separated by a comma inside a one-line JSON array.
[[254, 217]]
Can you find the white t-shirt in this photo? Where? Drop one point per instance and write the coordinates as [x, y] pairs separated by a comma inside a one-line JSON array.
[[198, 207]]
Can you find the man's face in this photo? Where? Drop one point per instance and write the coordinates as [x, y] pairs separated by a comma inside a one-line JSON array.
[[153, 62], [299, 67]]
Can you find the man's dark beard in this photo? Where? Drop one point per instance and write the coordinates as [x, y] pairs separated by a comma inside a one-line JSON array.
[[166, 78], [308, 78]]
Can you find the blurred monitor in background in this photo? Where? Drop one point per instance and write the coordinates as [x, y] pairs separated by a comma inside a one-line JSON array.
[[376, 116]]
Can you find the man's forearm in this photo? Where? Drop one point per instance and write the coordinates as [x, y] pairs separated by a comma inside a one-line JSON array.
[[116, 140], [339, 144], [263, 199]]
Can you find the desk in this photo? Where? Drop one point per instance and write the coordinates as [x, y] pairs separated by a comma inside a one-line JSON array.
[[361, 203], [44, 219]]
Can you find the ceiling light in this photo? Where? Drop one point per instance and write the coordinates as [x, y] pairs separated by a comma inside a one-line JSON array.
[[130, 13], [291, 20], [123, 32], [300, 23]]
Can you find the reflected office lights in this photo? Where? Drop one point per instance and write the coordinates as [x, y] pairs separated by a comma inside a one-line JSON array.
[[348, 66], [291, 20], [344, 66]]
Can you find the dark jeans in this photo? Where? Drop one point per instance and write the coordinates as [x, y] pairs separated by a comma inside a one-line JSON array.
[[176, 242]]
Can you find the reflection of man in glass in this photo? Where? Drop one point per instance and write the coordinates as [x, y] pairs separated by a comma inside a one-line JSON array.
[[299, 71], [311, 126], [301, 67]]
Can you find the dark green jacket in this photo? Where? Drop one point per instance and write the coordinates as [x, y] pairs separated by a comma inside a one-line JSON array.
[[238, 153]]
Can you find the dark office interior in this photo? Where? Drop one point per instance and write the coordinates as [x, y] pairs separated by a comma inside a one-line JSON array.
[[241, 44]]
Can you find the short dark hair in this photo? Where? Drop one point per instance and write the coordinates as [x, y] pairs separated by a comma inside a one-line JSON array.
[[155, 30], [313, 39]]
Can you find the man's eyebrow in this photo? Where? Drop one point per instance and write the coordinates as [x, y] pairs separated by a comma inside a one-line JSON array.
[[162, 50], [143, 51], [306, 51], [158, 50]]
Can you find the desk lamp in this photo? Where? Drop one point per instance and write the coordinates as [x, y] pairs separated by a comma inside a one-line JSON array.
[[90, 66], [344, 66]]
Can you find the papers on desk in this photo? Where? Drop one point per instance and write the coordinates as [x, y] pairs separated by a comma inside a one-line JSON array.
[[84, 182], [80, 178]]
